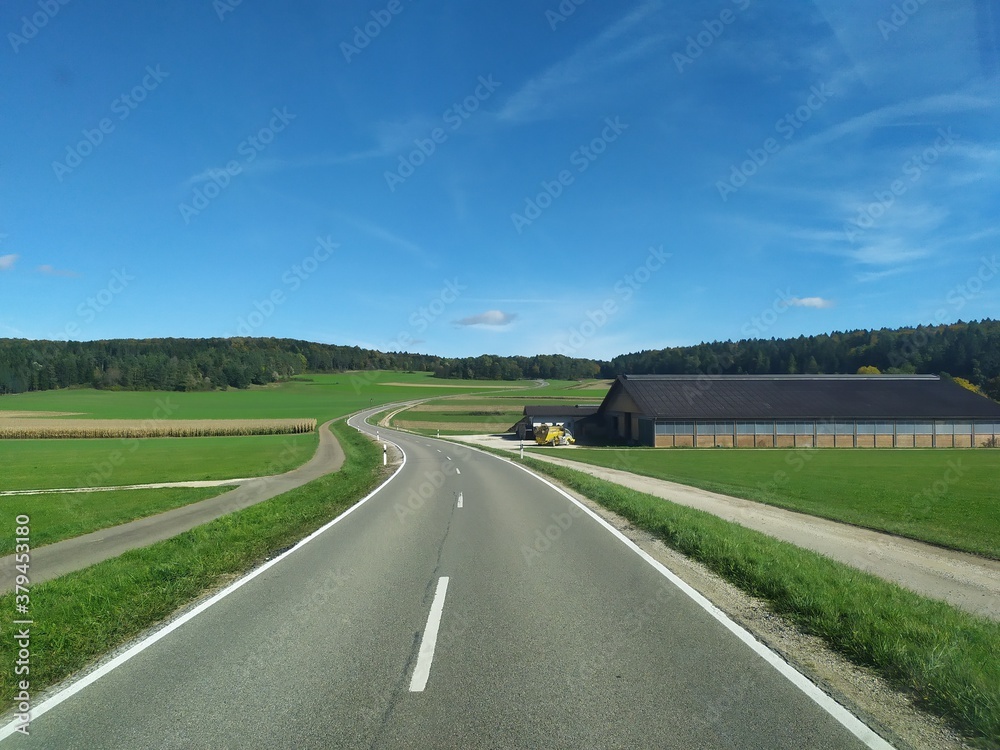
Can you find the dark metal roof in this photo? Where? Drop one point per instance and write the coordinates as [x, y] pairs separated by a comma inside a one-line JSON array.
[[557, 410], [802, 397]]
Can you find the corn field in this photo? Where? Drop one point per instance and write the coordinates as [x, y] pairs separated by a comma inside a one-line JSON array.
[[32, 428]]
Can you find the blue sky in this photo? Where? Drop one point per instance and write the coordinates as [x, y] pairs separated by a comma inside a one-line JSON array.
[[590, 178]]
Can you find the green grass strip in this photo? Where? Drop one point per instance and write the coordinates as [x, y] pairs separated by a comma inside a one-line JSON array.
[[59, 516], [947, 659], [82, 615]]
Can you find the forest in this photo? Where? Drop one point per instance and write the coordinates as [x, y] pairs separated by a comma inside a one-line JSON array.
[[968, 350]]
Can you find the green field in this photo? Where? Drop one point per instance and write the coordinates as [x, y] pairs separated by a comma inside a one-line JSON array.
[[946, 497], [59, 516], [36, 464], [319, 396], [42, 464]]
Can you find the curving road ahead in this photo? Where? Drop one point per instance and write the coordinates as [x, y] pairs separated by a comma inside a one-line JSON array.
[[466, 604]]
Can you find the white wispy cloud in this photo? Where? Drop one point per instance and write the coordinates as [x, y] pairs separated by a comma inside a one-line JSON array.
[[817, 302], [493, 318], [49, 270], [7, 261], [896, 114], [542, 95]]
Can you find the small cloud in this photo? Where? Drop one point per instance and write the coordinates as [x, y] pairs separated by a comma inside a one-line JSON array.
[[53, 271], [488, 318], [817, 302], [7, 262]]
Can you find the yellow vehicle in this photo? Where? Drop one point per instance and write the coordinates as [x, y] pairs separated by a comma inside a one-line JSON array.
[[553, 434]]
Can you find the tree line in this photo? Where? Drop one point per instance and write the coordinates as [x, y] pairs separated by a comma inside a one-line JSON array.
[[964, 350]]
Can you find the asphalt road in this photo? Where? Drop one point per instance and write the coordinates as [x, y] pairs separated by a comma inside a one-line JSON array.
[[552, 633]]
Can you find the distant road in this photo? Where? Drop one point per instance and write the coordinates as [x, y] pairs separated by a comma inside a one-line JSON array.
[[466, 604]]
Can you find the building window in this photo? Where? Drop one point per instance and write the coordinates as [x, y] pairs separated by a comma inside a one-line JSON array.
[[883, 428], [824, 428], [845, 428], [744, 428], [723, 428], [706, 428], [923, 428], [963, 428], [866, 428], [683, 428], [764, 428], [664, 428], [944, 428]]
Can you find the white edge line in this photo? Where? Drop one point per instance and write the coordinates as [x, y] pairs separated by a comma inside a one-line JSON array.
[[850, 722], [138, 648], [457, 470], [423, 669], [460, 499]]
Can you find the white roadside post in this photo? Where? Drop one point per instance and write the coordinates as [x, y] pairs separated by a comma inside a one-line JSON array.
[[385, 454], [522, 449]]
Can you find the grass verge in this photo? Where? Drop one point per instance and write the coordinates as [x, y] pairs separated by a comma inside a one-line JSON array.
[[82, 615], [948, 660]]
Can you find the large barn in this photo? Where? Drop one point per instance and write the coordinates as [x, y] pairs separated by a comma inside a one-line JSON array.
[[785, 411]]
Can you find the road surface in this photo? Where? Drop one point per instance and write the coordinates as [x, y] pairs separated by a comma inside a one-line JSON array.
[[464, 605]]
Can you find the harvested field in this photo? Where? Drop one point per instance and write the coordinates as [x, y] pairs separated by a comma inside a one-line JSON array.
[[477, 427], [467, 384], [472, 408], [42, 414], [35, 427]]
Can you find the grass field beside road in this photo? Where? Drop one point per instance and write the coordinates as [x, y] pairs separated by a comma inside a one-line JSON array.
[[59, 516], [89, 462], [320, 396], [945, 497]]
